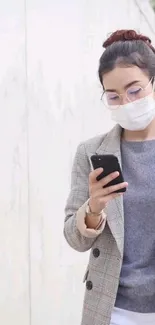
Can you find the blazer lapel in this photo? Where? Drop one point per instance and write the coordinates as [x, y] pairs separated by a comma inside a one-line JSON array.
[[114, 209]]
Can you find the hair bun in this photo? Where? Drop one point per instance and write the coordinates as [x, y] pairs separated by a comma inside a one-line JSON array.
[[126, 35]]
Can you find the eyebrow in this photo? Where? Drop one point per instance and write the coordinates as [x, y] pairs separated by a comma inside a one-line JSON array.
[[125, 87]]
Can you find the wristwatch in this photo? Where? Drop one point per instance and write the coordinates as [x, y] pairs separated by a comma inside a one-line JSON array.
[[90, 213]]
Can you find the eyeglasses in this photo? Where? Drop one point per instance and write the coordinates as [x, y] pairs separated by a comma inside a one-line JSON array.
[[113, 100]]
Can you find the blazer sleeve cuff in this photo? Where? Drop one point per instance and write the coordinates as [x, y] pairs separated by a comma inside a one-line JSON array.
[[81, 225]]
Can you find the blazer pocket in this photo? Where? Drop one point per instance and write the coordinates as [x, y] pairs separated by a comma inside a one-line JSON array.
[[86, 275]]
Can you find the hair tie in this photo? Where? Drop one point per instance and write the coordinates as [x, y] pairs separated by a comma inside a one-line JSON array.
[[127, 35]]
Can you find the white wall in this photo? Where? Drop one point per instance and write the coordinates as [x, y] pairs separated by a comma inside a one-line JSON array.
[[49, 102]]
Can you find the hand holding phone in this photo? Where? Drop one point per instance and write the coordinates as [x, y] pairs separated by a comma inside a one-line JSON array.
[[110, 164], [105, 182]]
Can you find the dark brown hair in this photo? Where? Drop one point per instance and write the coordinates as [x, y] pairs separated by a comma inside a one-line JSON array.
[[126, 47]]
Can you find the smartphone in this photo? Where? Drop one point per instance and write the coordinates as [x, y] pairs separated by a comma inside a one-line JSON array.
[[110, 164]]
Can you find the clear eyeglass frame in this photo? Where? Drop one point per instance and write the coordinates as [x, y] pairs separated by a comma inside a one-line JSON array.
[[130, 97]]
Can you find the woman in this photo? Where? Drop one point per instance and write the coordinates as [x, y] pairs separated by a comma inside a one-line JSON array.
[[119, 228]]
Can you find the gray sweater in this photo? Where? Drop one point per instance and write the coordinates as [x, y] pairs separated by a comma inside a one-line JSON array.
[[136, 291]]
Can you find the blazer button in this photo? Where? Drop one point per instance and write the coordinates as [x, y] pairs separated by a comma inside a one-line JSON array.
[[96, 252], [89, 285]]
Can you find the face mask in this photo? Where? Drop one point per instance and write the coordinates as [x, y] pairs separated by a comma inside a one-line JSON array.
[[135, 116]]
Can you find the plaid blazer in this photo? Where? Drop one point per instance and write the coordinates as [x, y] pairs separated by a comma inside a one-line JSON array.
[[106, 244]]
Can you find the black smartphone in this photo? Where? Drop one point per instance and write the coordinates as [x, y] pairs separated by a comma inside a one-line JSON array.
[[110, 164]]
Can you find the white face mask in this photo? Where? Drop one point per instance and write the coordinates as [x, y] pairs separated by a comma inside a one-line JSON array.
[[137, 115]]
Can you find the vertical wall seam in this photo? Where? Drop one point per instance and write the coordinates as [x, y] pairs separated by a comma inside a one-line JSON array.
[[28, 167], [144, 15]]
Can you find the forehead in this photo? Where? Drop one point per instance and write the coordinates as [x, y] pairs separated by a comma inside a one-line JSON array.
[[120, 76]]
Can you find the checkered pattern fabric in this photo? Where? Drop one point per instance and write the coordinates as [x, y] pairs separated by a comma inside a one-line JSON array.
[[103, 271]]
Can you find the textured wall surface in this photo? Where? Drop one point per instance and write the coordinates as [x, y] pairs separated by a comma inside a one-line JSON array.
[[49, 102]]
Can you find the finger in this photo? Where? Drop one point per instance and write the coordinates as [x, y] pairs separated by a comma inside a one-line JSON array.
[[93, 175], [114, 188], [106, 180], [100, 193]]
